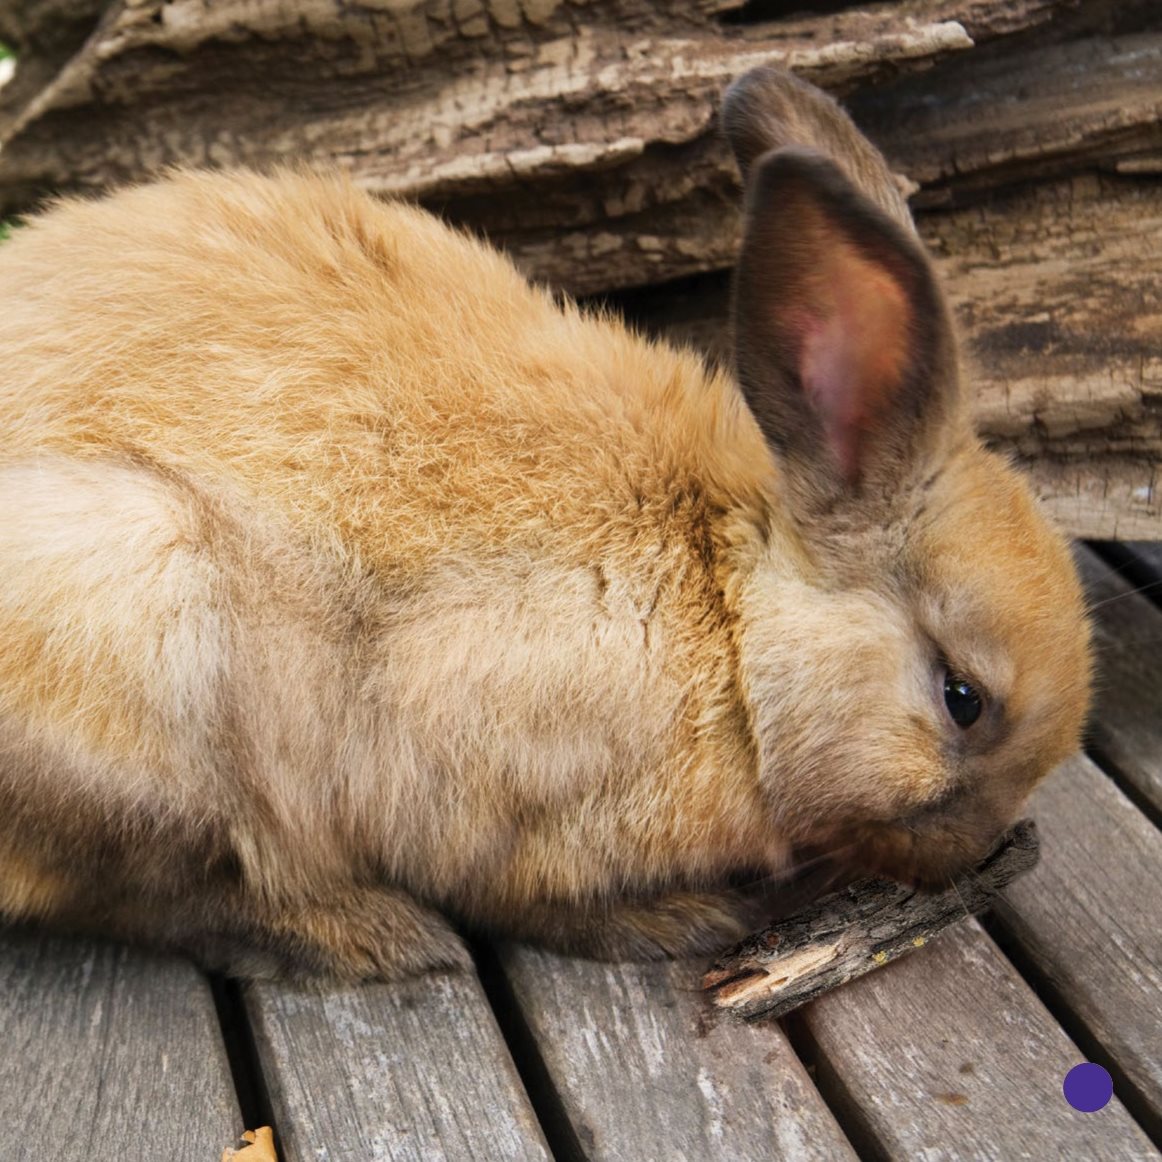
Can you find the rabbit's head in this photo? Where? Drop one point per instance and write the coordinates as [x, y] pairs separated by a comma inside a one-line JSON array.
[[914, 636]]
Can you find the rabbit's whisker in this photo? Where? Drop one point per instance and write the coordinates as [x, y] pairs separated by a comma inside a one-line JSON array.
[[1122, 596]]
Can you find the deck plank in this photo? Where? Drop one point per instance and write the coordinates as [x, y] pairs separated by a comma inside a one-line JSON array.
[[1088, 916], [644, 1068], [948, 1056], [108, 1053], [416, 1070], [1126, 724]]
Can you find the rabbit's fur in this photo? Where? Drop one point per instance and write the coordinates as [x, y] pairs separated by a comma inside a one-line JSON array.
[[348, 583]]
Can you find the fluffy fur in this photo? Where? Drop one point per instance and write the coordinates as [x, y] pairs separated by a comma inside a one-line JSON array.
[[347, 582]]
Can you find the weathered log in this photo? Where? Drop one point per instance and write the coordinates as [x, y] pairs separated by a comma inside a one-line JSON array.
[[1055, 289], [1096, 104], [1020, 113], [46, 34], [480, 107], [855, 930], [580, 136]]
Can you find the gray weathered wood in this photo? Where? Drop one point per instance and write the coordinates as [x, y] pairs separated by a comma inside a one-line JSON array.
[[581, 136], [1126, 723], [646, 1069], [108, 1053], [415, 1070], [1015, 113], [855, 930], [1055, 287], [1088, 917], [948, 1056]]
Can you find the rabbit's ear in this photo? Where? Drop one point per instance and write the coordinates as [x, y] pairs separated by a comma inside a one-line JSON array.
[[843, 346], [769, 108]]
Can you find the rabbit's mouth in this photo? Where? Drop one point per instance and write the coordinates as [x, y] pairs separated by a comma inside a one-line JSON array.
[[929, 849]]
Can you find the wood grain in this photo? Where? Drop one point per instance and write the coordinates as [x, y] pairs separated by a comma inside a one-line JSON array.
[[1011, 114], [645, 1069], [107, 1053], [949, 1057], [1055, 289], [1126, 723], [412, 1071], [1087, 918], [581, 136]]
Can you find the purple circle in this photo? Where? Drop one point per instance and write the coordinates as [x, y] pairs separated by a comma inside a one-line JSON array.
[[1088, 1087]]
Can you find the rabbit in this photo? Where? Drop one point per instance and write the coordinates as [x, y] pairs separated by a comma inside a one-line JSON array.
[[355, 593]]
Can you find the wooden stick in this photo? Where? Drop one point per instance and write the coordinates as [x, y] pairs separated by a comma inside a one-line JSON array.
[[853, 931]]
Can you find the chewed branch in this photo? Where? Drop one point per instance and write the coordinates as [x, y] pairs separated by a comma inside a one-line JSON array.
[[855, 930]]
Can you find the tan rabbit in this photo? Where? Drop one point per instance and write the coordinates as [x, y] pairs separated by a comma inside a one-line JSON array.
[[347, 583]]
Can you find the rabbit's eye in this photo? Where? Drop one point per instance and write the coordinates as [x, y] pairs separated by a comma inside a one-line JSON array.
[[962, 700]]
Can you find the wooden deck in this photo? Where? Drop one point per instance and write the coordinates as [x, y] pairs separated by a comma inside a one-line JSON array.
[[956, 1052]]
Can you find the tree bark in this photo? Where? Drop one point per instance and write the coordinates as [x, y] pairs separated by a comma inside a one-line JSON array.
[[851, 932], [1022, 113], [455, 101]]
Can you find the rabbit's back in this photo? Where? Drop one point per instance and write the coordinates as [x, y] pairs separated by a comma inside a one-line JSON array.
[[347, 581], [323, 509], [354, 366]]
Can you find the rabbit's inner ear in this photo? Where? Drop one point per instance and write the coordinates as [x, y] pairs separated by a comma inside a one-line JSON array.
[[853, 350], [843, 348]]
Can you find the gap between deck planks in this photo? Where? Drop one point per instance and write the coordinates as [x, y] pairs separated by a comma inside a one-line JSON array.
[[1087, 924], [891, 1049], [644, 1068], [1088, 921], [948, 1056]]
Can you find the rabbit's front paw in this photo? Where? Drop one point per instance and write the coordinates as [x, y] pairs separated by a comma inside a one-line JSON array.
[[683, 923], [364, 934]]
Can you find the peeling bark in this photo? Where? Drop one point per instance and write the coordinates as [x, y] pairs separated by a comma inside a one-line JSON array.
[[447, 100], [853, 931]]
